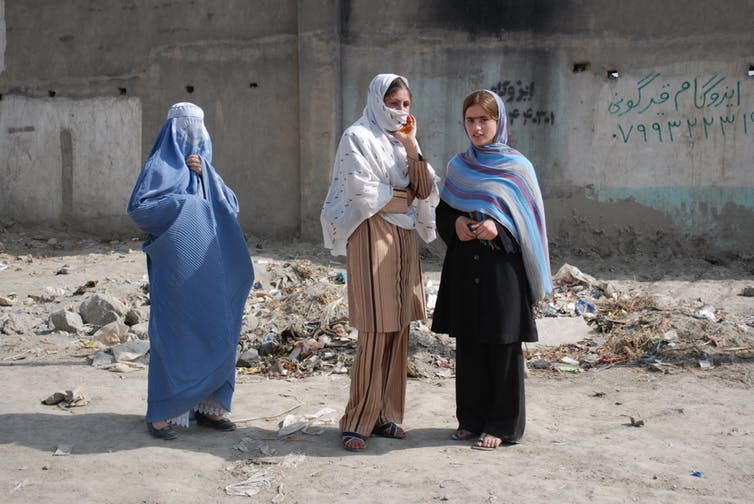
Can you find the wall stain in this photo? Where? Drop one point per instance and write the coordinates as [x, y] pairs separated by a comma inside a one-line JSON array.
[[23, 129]]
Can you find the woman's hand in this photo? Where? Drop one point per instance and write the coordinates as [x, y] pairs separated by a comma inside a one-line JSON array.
[[463, 228], [407, 136], [410, 195], [194, 163], [484, 230], [407, 131]]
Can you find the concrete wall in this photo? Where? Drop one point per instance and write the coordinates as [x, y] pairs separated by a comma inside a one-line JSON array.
[[660, 156], [69, 162]]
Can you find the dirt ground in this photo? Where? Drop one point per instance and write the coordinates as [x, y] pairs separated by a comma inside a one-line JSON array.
[[671, 424]]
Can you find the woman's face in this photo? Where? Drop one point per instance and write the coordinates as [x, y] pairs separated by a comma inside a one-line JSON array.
[[399, 99], [480, 126]]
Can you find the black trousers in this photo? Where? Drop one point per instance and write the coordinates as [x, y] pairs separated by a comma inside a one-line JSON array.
[[490, 389]]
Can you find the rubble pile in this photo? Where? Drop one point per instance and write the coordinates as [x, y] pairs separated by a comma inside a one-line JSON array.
[[635, 327], [296, 323], [296, 318]]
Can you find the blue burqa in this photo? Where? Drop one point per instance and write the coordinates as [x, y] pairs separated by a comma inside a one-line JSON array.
[[199, 270]]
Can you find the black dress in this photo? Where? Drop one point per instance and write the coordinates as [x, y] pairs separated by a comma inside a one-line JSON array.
[[484, 302]]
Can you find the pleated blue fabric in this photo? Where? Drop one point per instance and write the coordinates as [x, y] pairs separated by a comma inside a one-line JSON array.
[[200, 272]]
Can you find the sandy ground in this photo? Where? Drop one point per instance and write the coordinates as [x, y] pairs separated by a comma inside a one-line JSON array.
[[611, 434]]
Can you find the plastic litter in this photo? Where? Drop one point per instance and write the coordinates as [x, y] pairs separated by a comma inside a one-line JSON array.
[[706, 363], [706, 312], [584, 307], [62, 450], [569, 360], [250, 486]]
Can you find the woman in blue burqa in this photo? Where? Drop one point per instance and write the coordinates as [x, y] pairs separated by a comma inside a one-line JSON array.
[[200, 274]]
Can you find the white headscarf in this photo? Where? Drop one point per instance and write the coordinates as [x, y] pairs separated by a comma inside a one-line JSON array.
[[369, 163]]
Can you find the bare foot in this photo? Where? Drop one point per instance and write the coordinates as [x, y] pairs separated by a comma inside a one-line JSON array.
[[353, 441], [355, 444], [162, 424], [488, 442]]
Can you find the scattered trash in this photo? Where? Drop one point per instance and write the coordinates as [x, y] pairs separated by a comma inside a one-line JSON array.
[[247, 444], [566, 364], [3, 265], [340, 278], [636, 422], [540, 364], [250, 486], [718, 342], [584, 307], [569, 360], [296, 324], [303, 348], [706, 312], [571, 275], [68, 399], [697, 474], [305, 423], [706, 363], [568, 368], [290, 424], [269, 344], [62, 450]]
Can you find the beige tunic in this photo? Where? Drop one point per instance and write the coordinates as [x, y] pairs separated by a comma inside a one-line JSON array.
[[385, 291]]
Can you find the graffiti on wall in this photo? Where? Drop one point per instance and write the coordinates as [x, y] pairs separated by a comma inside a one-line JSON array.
[[516, 96], [697, 109]]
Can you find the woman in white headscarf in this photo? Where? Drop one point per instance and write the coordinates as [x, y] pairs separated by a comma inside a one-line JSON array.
[[382, 190]]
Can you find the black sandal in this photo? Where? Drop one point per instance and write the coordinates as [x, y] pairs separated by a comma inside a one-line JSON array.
[[223, 424], [388, 430], [167, 433], [350, 436]]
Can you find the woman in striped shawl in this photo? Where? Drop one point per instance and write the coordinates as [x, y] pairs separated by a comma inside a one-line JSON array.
[[496, 268]]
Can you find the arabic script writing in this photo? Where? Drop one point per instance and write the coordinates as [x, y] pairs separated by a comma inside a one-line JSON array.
[[694, 128], [517, 92], [698, 93], [697, 108]]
